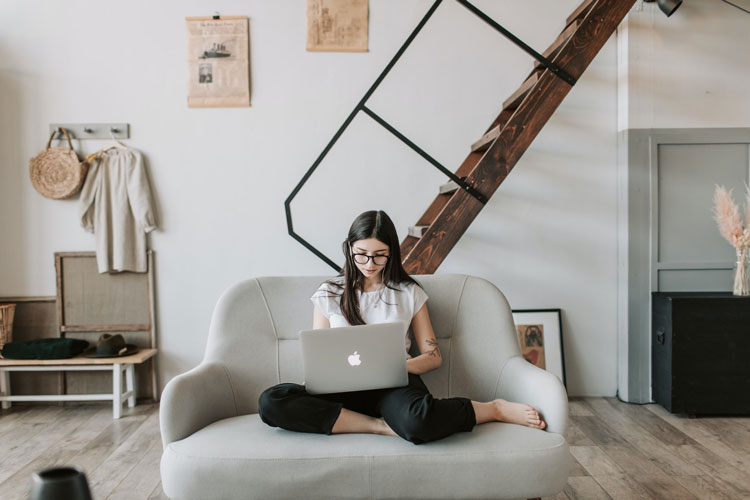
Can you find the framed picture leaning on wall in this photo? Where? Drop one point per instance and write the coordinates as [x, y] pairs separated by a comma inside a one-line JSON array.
[[540, 336]]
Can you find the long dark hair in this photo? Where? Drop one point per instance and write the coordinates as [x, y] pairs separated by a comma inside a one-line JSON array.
[[371, 224]]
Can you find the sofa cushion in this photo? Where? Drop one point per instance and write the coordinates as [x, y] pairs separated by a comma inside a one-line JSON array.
[[241, 457]]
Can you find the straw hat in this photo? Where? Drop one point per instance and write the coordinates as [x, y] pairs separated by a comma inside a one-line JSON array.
[[57, 172]]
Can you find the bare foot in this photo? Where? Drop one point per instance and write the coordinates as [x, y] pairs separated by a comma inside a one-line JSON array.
[[385, 429], [518, 413]]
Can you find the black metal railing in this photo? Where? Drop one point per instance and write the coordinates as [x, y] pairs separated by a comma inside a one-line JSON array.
[[361, 107]]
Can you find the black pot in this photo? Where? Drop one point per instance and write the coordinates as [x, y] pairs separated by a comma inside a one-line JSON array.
[[58, 483]]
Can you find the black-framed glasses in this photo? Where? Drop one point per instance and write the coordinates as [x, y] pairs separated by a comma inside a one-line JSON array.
[[378, 260]]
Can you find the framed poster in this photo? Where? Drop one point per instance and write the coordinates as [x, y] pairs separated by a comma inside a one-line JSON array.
[[218, 61], [540, 335]]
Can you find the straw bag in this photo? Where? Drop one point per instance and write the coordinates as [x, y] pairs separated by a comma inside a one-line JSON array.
[[7, 312], [57, 172]]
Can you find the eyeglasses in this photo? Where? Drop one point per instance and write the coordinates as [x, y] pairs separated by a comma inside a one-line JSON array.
[[379, 260]]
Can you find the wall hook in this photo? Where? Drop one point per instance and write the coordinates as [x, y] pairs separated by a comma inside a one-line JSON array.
[[93, 130]]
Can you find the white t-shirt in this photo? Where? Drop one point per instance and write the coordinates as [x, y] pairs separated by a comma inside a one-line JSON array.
[[381, 306]]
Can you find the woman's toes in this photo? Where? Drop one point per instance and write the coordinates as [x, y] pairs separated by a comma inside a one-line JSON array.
[[534, 420], [518, 413], [540, 424]]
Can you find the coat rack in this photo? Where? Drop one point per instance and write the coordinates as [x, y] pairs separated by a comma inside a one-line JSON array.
[[92, 130]]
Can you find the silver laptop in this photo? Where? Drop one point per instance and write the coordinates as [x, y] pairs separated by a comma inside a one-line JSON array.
[[354, 358]]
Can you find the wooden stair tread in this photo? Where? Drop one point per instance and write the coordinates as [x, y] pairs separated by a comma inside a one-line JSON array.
[[448, 187], [469, 163], [438, 204], [484, 142], [501, 119], [407, 245], [515, 99], [418, 231], [580, 11], [598, 21], [509, 106], [563, 37]]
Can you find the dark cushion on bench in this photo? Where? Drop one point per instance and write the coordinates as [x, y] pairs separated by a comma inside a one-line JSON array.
[[44, 349]]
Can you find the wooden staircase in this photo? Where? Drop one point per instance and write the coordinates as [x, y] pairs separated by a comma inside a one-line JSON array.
[[523, 115]]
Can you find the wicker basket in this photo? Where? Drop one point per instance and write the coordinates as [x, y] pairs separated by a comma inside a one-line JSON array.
[[7, 312]]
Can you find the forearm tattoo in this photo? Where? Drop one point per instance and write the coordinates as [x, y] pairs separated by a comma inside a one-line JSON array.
[[435, 351]]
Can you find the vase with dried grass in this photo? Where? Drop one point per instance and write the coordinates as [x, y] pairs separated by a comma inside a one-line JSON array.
[[727, 215]]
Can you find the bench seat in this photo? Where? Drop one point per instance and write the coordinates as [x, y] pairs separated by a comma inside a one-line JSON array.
[[78, 363]]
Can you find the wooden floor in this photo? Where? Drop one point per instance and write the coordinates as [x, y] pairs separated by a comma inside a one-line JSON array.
[[619, 450], [120, 457], [633, 451]]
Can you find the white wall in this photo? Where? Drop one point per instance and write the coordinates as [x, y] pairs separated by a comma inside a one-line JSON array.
[[690, 70], [220, 176]]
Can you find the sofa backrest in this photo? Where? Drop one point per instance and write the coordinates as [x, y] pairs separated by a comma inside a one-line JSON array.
[[255, 328]]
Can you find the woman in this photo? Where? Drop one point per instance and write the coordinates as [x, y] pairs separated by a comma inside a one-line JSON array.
[[372, 288]]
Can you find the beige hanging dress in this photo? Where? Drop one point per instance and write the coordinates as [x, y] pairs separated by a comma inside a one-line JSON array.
[[116, 206]]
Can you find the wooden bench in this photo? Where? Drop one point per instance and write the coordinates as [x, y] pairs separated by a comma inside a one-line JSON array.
[[79, 363]]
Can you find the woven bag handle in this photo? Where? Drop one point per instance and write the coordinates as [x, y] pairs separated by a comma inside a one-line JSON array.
[[67, 136]]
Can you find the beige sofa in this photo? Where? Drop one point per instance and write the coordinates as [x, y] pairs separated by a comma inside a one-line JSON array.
[[215, 445]]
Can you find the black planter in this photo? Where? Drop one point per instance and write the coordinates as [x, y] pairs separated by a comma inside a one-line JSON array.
[[60, 483], [701, 352]]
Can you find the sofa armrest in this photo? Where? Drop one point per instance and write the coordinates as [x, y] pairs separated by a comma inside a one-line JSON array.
[[193, 400], [523, 382]]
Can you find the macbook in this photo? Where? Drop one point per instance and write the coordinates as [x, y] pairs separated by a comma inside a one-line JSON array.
[[354, 358]]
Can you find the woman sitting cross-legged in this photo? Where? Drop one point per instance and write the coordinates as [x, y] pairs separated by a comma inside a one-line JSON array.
[[372, 288]]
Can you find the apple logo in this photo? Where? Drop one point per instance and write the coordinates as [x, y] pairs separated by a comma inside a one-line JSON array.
[[354, 359]]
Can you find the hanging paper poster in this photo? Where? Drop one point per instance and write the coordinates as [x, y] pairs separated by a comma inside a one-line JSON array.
[[337, 25], [217, 62]]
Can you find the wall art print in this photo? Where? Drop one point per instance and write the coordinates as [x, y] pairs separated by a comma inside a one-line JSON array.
[[540, 337], [337, 25], [218, 62]]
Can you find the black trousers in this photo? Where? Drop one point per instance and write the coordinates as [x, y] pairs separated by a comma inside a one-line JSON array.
[[410, 411]]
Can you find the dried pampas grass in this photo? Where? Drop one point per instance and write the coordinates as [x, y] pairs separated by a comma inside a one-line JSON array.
[[727, 215]]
